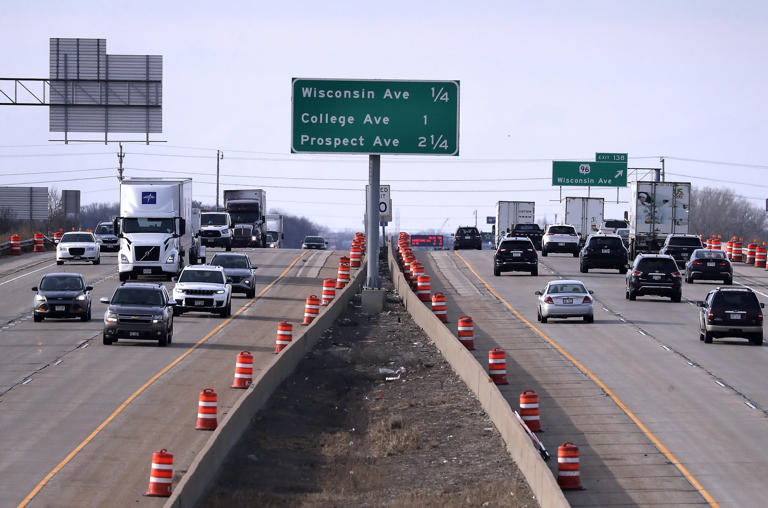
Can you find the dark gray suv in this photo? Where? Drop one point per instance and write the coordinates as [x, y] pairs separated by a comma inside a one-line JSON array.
[[139, 311], [238, 268], [731, 312], [62, 295]]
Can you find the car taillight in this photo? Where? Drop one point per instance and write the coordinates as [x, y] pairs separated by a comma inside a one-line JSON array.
[[710, 315], [528, 250], [676, 274], [697, 262], [587, 299], [502, 250], [548, 299], [722, 263], [636, 272], [759, 317], [572, 234], [549, 234]]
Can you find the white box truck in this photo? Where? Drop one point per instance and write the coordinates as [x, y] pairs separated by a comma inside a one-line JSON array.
[[584, 214], [157, 227], [248, 208], [275, 234], [509, 213], [657, 209], [216, 229]]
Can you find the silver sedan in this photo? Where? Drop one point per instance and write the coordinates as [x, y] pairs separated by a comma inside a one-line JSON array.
[[563, 299]]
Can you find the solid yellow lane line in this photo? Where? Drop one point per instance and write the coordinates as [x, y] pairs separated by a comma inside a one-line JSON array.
[[146, 385], [602, 385]]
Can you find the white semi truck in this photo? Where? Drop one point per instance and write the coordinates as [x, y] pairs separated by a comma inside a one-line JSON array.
[[656, 210], [157, 227], [509, 213], [584, 214]]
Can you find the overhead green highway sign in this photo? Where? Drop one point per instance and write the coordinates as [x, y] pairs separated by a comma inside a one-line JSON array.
[[375, 116], [610, 157], [592, 174]]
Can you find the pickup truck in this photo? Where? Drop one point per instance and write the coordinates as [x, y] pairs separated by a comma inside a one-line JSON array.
[[530, 230]]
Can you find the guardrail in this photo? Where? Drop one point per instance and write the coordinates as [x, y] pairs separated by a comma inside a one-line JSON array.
[[536, 472], [205, 467], [26, 245]]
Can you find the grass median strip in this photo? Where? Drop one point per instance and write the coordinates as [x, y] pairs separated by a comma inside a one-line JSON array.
[[147, 384], [602, 385]]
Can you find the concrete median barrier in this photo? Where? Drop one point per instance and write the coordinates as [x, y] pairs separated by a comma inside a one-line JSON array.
[[205, 467], [536, 471]]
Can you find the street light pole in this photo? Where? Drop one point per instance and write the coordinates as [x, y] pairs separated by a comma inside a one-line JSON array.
[[219, 156]]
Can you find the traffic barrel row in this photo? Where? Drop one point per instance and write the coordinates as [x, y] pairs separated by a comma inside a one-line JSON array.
[[38, 245]]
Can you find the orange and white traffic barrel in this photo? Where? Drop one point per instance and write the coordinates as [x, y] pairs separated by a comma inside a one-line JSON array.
[[466, 332], [57, 237], [708, 243], [342, 276], [38, 246], [760, 255], [243, 370], [206, 410], [311, 309], [737, 247], [529, 410], [729, 249], [424, 288], [284, 336], [568, 475], [751, 251], [439, 307], [15, 245], [497, 366], [329, 291], [161, 474], [355, 256], [715, 243], [407, 267], [417, 269]]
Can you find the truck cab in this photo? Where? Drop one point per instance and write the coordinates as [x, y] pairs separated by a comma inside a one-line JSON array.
[[216, 229]]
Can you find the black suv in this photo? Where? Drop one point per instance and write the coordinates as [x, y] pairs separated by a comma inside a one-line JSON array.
[[467, 237], [706, 264], [654, 274], [62, 295], [731, 312], [603, 251], [139, 310], [516, 254], [681, 247]]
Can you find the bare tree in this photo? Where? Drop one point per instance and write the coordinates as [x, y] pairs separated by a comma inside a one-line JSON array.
[[722, 212]]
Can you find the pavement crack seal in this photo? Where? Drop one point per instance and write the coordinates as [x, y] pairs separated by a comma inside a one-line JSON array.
[[149, 383], [659, 445]]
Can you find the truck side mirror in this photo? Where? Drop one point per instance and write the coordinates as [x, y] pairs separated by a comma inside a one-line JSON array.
[[116, 226], [182, 226], [282, 236]]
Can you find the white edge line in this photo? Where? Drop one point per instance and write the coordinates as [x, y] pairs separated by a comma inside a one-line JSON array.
[[34, 271]]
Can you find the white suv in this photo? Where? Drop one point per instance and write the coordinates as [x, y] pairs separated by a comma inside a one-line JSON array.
[[560, 238], [77, 246], [203, 288]]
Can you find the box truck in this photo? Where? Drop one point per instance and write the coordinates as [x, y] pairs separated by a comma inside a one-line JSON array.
[[509, 213], [157, 227], [247, 208], [656, 210], [584, 214]]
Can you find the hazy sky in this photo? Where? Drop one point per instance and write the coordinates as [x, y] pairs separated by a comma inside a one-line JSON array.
[[539, 81]]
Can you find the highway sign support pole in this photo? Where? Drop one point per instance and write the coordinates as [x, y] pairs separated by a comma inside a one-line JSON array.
[[374, 178], [219, 156]]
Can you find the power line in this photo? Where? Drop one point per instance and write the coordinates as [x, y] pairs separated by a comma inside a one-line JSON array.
[[26, 173], [63, 180]]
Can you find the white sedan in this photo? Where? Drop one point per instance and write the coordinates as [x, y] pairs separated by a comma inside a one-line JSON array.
[[77, 246], [563, 299]]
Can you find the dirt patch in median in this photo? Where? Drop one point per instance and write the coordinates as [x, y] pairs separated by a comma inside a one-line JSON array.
[[373, 416]]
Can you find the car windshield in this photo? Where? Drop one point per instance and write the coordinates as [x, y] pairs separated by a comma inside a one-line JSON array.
[[562, 230], [684, 241], [77, 237], [244, 217], [148, 225], [105, 229], [614, 224], [213, 219], [515, 245], [271, 237], [605, 243], [61, 283], [708, 254], [566, 288], [137, 296], [467, 231], [527, 227], [230, 261], [314, 239], [624, 233], [663, 265], [209, 276], [736, 299]]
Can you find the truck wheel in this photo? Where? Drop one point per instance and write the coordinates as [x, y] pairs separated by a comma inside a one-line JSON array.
[[251, 293], [677, 297], [163, 341], [97, 261], [59, 262], [124, 276], [496, 272], [544, 252], [228, 246], [37, 317], [707, 337], [535, 271], [632, 295], [576, 253], [105, 340], [756, 339]]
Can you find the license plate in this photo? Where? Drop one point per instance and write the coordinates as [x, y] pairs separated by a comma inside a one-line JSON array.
[[561, 244], [657, 277], [199, 303], [133, 334], [711, 263], [147, 271], [60, 308], [567, 301], [76, 257], [606, 251], [735, 316], [467, 237], [516, 253], [685, 254]]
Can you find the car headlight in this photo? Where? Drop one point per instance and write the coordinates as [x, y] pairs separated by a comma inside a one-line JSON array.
[[123, 258], [220, 292], [253, 238], [159, 318], [247, 281], [40, 299], [303, 245], [170, 259], [225, 232], [178, 291], [81, 298], [110, 317], [99, 240]]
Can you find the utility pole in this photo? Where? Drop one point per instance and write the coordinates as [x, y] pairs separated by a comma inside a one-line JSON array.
[[475, 219], [120, 157], [663, 176], [219, 156]]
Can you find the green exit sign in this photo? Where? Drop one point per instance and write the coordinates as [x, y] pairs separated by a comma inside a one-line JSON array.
[[589, 174], [375, 116], [610, 157]]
